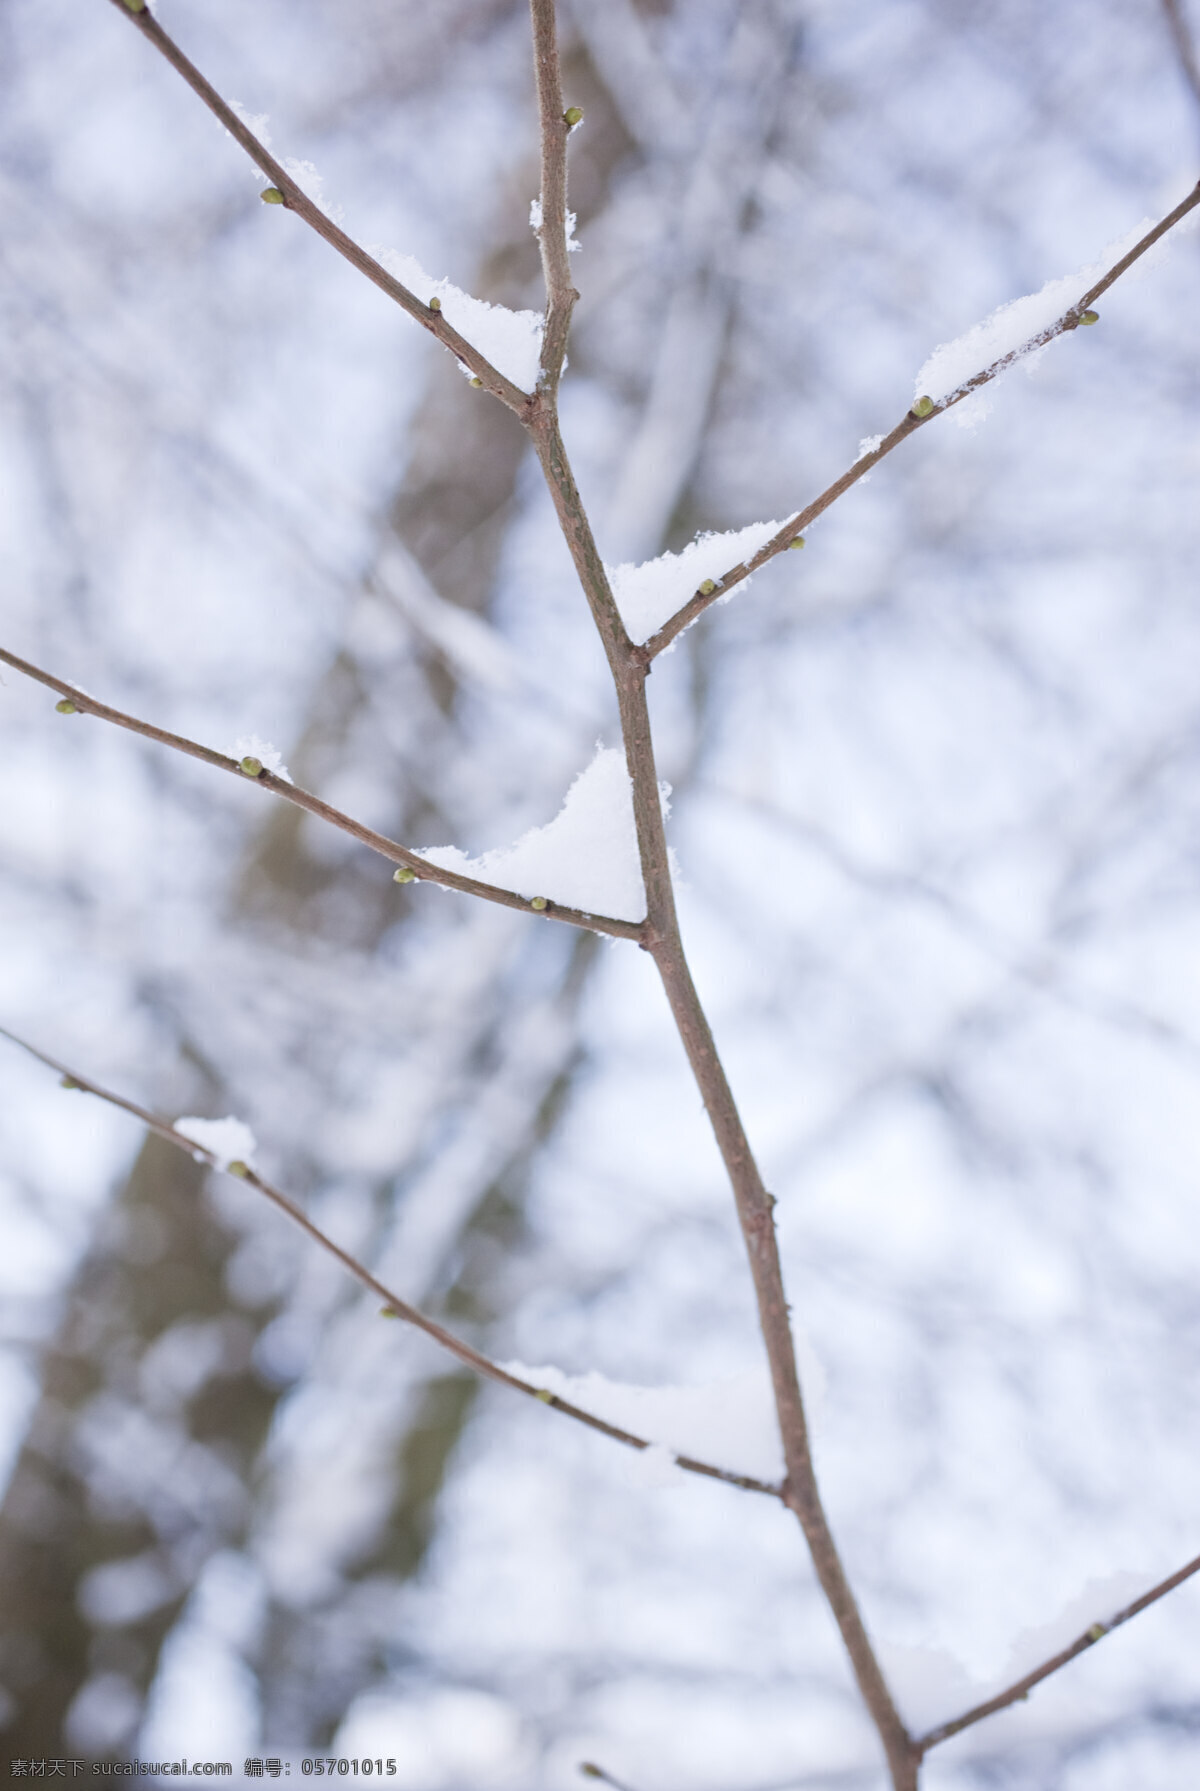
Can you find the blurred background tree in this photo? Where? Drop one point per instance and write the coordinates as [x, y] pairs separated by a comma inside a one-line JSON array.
[[934, 803]]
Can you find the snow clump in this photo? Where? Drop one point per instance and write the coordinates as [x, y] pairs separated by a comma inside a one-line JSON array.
[[228, 1140], [649, 595], [729, 1423], [953, 364], [268, 756], [586, 858], [510, 340]]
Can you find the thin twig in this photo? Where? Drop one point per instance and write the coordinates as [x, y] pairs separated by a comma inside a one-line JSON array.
[[423, 871], [589, 1770], [294, 198], [1089, 1638], [393, 1305], [908, 425], [556, 127]]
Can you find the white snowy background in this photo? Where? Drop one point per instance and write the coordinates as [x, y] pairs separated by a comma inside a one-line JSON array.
[[933, 800]]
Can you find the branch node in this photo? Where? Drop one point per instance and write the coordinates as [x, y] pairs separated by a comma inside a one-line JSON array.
[[573, 116], [708, 587], [797, 542], [538, 902], [404, 875], [238, 1168], [923, 407], [435, 303], [66, 707], [1089, 317], [250, 767], [269, 195]]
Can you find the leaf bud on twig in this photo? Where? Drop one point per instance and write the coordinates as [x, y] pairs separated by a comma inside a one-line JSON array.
[[475, 380], [573, 116], [272, 196], [250, 767], [707, 588], [238, 1168], [135, 5], [66, 707], [922, 407], [388, 1312], [797, 541], [69, 1082], [435, 303], [544, 1394], [1089, 317], [538, 902], [589, 1771], [404, 875], [1097, 1632]]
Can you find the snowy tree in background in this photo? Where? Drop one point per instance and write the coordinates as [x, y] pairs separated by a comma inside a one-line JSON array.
[[932, 804]]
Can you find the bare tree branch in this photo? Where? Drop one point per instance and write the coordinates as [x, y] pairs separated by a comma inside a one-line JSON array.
[[422, 870], [294, 198], [662, 938], [659, 933], [556, 127], [393, 1305], [1089, 1638], [715, 589]]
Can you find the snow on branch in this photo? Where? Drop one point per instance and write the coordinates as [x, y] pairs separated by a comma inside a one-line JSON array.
[[213, 1139], [510, 340], [586, 858], [1013, 330], [225, 1141], [650, 594], [730, 1422]]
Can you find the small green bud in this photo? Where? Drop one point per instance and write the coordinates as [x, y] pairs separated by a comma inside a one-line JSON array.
[[589, 1771], [1097, 1632], [269, 195], [1089, 317], [538, 902], [238, 1168], [69, 1082], [435, 303], [475, 380], [136, 5], [798, 542], [251, 767], [66, 707], [573, 116], [388, 1312], [546, 1397], [922, 407], [707, 588], [404, 875]]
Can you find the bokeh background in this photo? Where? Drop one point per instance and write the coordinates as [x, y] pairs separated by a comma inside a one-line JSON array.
[[935, 806]]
